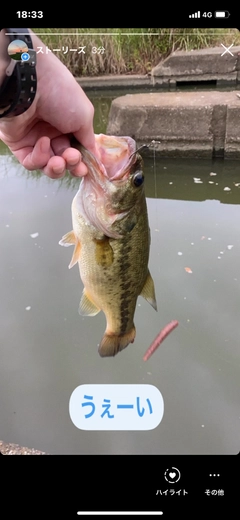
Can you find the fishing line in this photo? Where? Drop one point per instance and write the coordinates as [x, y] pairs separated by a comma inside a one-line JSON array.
[[154, 170], [152, 145], [139, 149]]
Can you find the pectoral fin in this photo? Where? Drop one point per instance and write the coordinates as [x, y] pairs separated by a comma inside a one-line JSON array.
[[87, 307], [76, 255], [148, 291], [70, 240], [103, 252]]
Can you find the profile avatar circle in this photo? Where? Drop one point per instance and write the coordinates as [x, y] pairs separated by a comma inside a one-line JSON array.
[[18, 50]]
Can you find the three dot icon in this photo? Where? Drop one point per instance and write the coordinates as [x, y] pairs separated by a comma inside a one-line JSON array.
[[214, 474]]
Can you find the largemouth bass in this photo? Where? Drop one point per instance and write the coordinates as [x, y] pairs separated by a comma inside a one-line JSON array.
[[111, 236]]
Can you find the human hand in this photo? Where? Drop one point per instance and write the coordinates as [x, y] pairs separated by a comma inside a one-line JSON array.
[[40, 137]]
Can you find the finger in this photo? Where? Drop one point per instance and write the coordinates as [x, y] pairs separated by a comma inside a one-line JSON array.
[[60, 143], [80, 170], [72, 156], [55, 168], [74, 163], [71, 159], [88, 141], [85, 136], [34, 158]]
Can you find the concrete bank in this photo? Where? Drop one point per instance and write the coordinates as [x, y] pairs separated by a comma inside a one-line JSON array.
[[15, 449], [213, 66], [184, 124], [116, 82], [216, 65]]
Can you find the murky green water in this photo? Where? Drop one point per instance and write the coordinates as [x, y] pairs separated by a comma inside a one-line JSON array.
[[47, 349]]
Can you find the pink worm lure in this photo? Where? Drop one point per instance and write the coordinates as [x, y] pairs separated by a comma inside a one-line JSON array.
[[160, 337]]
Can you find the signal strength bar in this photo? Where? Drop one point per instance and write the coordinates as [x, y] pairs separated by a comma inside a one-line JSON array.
[[195, 15]]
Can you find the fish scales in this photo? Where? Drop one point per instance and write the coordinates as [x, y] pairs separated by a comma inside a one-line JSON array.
[[115, 288], [112, 239]]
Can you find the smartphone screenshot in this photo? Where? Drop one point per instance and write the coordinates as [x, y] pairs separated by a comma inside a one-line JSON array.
[[120, 350]]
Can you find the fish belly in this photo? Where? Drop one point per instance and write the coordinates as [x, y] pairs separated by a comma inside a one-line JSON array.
[[113, 272]]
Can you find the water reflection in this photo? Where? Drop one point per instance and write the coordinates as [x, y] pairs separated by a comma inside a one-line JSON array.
[[183, 179], [47, 349], [194, 180]]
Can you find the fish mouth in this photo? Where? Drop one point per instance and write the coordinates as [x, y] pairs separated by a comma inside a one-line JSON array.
[[116, 155], [113, 163]]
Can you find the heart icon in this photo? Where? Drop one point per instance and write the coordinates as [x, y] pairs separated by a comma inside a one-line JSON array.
[[172, 475]]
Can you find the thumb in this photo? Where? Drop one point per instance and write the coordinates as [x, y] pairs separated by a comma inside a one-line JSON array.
[[86, 137]]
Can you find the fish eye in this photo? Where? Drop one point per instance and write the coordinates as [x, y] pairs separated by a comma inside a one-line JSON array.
[[138, 179]]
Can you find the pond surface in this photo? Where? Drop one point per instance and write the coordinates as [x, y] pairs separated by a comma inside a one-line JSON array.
[[47, 349]]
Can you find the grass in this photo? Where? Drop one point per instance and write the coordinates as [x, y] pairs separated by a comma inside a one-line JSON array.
[[128, 51]]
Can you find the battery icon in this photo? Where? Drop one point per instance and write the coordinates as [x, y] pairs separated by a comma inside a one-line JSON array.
[[221, 14]]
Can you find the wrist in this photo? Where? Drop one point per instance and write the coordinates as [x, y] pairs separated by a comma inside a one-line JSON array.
[[4, 57], [18, 86]]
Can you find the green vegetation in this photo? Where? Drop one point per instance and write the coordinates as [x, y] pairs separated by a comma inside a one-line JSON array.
[[128, 51], [16, 56]]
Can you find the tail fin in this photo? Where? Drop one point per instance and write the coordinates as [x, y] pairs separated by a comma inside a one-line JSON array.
[[112, 344]]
